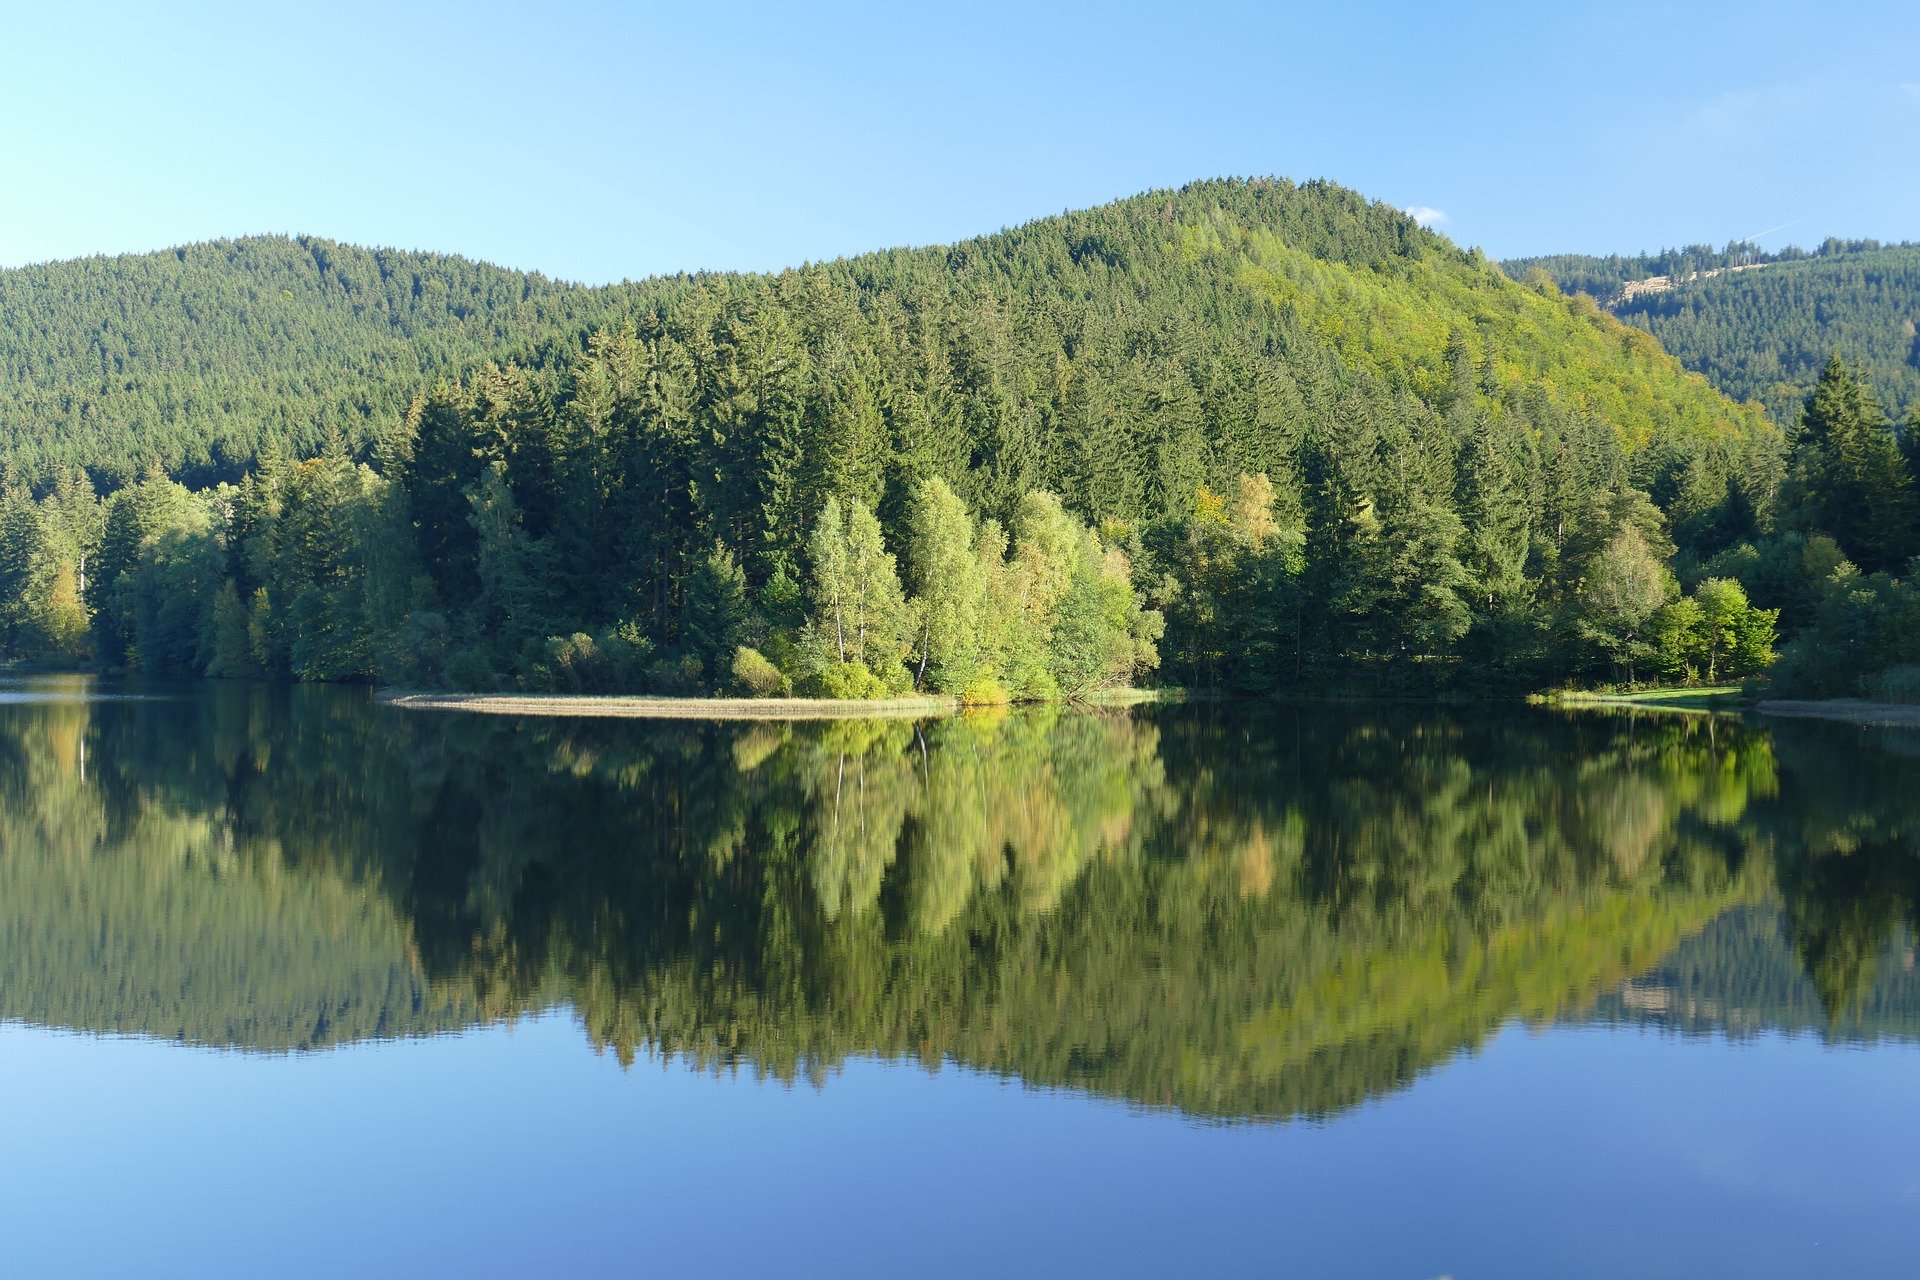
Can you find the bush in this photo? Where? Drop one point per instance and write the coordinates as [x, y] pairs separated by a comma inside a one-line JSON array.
[[985, 692], [844, 680], [473, 670], [416, 656], [614, 661], [755, 675], [1896, 684], [624, 651], [680, 677], [1864, 625], [564, 665]]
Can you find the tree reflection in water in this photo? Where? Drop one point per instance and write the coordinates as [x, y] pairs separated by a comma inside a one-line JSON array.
[[1239, 911]]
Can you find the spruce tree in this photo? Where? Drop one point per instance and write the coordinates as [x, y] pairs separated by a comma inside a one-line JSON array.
[[716, 612], [1848, 478]]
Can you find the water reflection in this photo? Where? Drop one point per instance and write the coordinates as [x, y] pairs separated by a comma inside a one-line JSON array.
[[1236, 911]]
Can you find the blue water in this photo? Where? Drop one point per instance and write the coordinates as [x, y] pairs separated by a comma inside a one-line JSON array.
[[294, 985], [515, 1151]]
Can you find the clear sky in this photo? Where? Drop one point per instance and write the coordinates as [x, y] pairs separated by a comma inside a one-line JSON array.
[[601, 141]]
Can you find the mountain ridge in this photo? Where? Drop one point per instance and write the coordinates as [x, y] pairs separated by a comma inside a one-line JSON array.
[[204, 357], [1765, 335]]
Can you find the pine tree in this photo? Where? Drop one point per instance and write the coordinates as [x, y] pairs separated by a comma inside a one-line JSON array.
[[21, 548], [1848, 478], [503, 561], [232, 652], [1495, 505], [717, 612]]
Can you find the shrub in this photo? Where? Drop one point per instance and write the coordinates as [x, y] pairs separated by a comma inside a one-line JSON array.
[[417, 654], [844, 680], [757, 676], [1895, 684], [565, 665], [624, 651], [680, 677], [473, 669], [614, 661], [985, 692]]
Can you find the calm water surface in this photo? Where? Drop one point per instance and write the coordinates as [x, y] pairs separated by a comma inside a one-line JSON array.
[[292, 984]]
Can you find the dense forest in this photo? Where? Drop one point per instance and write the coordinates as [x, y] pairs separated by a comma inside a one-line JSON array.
[[1764, 335], [1606, 277], [1237, 913], [1246, 435], [206, 358]]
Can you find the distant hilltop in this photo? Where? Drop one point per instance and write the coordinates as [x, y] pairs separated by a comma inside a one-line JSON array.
[[1764, 336], [1660, 284]]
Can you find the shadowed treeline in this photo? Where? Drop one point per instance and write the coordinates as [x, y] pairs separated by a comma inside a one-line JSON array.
[[1244, 912]]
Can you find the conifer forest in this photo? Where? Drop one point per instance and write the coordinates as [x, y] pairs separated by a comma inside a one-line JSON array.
[[1247, 436]]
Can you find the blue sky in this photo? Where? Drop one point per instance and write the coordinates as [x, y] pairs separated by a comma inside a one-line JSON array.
[[601, 141]]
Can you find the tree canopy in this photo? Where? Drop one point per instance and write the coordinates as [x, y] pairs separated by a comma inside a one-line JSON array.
[[1254, 418]]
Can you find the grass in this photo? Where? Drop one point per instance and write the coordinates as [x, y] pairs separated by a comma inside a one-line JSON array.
[[1719, 697]]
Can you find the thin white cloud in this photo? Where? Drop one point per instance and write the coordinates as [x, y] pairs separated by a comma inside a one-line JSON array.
[[1749, 113], [1758, 115], [1425, 215]]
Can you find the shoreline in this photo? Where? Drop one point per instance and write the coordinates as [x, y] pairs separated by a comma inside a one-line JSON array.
[[1857, 711], [1699, 700], [649, 707]]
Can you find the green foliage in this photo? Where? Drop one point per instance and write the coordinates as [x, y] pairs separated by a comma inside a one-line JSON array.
[[504, 561], [1895, 684], [1862, 627], [1418, 463], [1677, 644], [472, 669], [1764, 335], [615, 661], [1848, 478], [232, 646], [755, 676], [213, 356], [43, 551], [949, 581], [1714, 634], [1789, 572], [859, 625], [1624, 591], [717, 610], [844, 680]]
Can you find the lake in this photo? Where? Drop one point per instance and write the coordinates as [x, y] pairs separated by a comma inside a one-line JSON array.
[[295, 984]]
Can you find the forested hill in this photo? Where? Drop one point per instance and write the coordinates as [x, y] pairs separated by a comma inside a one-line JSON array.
[[1246, 432], [211, 353], [1765, 334], [205, 357]]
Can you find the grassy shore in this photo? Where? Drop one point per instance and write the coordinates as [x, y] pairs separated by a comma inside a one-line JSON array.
[[654, 708], [1858, 711], [1725, 697]]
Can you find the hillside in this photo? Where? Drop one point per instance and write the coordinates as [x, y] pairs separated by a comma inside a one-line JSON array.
[[1248, 432], [199, 357], [1761, 326]]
